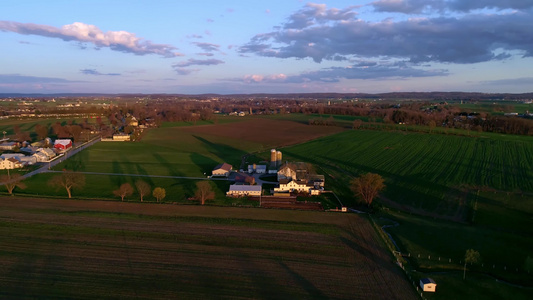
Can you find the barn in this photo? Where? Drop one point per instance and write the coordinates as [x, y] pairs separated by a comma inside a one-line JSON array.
[[62, 144], [223, 169]]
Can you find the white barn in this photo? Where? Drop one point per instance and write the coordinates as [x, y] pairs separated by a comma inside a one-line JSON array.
[[239, 190]]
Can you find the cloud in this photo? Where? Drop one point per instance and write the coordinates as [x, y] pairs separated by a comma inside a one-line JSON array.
[[207, 47], [426, 6], [18, 79], [210, 20], [330, 34], [194, 36], [359, 70], [513, 81], [205, 54], [199, 62], [94, 72], [182, 71], [122, 41]]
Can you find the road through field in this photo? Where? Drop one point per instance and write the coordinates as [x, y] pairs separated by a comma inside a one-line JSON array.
[[101, 249]]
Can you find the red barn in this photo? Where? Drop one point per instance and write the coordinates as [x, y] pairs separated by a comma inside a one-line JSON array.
[[62, 144]]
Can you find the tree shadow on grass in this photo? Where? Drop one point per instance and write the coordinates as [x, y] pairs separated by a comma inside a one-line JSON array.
[[224, 152], [204, 163], [309, 287]]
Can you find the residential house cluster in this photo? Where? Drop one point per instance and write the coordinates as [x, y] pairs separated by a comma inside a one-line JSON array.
[[299, 177]]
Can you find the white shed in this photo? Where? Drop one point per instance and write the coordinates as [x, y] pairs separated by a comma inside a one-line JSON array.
[[428, 285]]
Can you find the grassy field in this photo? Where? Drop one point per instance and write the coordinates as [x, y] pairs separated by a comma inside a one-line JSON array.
[[433, 173], [63, 249], [180, 151]]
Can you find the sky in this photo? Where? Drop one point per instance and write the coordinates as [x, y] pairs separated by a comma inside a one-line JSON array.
[[275, 46]]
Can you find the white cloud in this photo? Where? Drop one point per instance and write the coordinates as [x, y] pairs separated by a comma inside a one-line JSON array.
[[116, 40]]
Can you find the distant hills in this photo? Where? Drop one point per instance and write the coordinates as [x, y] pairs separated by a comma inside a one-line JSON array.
[[385, 96]]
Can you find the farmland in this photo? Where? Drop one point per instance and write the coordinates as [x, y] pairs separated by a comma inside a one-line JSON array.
[[93, 249]]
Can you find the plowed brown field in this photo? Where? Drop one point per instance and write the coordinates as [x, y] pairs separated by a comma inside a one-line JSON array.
[[59, 249], [267, 131]]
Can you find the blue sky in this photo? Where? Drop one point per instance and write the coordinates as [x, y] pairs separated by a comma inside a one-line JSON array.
[[287, 46]]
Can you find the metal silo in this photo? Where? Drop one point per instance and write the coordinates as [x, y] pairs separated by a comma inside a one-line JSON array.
[[273, 158], [278, 158]]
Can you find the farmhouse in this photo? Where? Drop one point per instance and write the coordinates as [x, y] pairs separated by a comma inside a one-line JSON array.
[[428, 285], [301, 186], [223, 169], [299, 177], [240, 190], [25, 160], [10, 163], [62, 144]]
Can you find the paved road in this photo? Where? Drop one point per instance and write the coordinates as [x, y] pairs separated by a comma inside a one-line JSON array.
[[59, 159], [142, 175]]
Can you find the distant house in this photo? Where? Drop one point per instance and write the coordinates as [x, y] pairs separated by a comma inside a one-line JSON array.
[[223, 169], [62, 144], [239, 190], [428, 285], [6, 146], [25, 160], [10, 163]]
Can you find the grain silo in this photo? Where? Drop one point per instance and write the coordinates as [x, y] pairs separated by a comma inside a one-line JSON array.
[[278, 158], [273, 158]]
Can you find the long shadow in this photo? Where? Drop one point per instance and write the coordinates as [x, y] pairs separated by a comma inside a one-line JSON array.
[[117, 169], [142, 171], [222, 151], [204, 163], [171, 170], [308, 286]]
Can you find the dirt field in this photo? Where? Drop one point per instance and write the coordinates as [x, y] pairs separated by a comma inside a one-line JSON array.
[[267, 131], [61, 249]]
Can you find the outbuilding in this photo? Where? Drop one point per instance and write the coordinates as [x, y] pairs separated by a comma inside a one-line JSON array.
[[223, 169], [428, 285], [62, 144], [239, 190]]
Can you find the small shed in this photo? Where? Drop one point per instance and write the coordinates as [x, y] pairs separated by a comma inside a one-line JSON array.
[[428, 285]]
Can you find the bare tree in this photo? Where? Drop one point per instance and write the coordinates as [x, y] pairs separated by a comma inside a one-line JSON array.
[[12, 181], [123, 191], [143, 188], [204, 192], [159, 193], [42, 131], [68, 180], [367, 187], [471, 257]]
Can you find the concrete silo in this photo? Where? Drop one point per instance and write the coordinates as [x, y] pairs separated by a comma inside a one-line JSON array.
[[273, 158], [278, 158]]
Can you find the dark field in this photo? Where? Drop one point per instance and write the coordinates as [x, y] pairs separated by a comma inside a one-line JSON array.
[[62, 249]]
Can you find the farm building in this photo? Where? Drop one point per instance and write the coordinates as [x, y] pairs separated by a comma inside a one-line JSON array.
[[10, 163], [47, 151], [25, 160], [121, 137], [62, 144], [303, 186], [8, 146], [428, 285], [239, 190], [223, 169], [259, 169]]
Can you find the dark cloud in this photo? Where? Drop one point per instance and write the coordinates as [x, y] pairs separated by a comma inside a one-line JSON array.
[[471, 38], [207, 47], [85, 33], [360, 70], [183, 71], [199, 62], [427, 6], [313, 14], [94, 72], [18, 79]]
